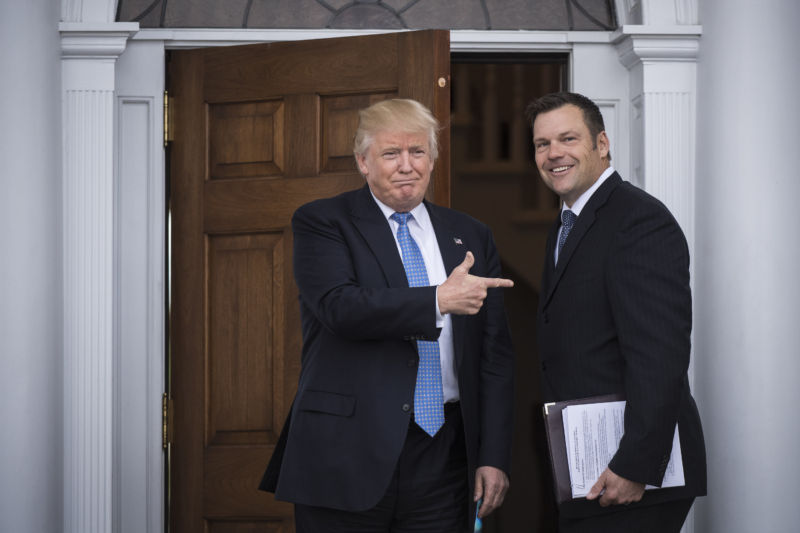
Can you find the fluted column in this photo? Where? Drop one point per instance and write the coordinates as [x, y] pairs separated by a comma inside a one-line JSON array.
[[89, 53], [663, 92]]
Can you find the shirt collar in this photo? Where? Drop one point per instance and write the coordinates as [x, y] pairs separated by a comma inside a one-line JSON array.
[[583, 199], [419, 213]]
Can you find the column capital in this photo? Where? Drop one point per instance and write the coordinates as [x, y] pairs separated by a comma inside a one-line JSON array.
[[95, 40], [636, 44]]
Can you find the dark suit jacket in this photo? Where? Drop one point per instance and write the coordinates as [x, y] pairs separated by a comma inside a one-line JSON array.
[[615, 316], [348, 423]]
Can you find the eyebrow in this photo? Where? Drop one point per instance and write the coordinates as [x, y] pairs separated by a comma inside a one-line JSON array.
[[561, 134], [394, 147]]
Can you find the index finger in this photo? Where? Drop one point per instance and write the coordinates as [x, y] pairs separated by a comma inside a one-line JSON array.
[[495, 283]]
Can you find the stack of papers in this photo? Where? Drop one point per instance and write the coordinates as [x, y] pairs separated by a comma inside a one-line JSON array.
[[592, 432]]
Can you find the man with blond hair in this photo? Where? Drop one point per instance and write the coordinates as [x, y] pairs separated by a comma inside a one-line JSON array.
[[402, 419]]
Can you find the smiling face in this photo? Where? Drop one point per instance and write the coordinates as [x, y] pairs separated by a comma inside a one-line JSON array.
[[568, 158], [397, 166]]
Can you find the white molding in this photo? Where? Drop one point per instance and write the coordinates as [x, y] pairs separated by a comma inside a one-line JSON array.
[[609, 108], [139, 315], [460, 40], [95, 40], [140, 238], [670, 44], [522, 41], [90, 279]]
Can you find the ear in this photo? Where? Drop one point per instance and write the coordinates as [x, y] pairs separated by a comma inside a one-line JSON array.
[[603, 144], [362, 164]]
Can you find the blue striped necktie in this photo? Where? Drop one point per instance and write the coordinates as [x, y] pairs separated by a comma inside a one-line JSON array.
[[428, 396]]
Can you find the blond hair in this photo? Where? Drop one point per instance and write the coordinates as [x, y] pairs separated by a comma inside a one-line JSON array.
[[397, 114]]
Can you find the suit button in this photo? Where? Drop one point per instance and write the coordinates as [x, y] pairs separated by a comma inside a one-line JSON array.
[[412, 363], [406, 407], [544, 366], [546, 318]]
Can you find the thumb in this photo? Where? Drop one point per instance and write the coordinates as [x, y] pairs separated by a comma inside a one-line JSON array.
[[478, 486], [597, 488], [467, 263]]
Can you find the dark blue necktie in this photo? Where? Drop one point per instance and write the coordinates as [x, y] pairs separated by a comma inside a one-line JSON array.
[[568, 219], [428, 396]]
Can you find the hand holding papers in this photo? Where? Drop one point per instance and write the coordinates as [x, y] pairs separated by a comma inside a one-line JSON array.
[[583, 436], [592, 432]]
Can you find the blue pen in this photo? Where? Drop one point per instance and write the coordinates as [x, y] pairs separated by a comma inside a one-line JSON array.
[[478, 523]]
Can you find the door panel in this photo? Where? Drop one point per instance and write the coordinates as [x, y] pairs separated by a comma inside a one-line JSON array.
[[246, 139], [259, 131]]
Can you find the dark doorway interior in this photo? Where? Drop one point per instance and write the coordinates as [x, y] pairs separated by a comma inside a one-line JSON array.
[[494, 179]]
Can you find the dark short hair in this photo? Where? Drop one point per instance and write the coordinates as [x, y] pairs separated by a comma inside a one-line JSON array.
[[591, 113]]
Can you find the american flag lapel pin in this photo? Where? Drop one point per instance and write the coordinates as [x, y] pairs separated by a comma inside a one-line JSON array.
[[457, 240]]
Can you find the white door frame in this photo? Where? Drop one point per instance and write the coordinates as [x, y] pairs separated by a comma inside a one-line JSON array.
[[643, 77]]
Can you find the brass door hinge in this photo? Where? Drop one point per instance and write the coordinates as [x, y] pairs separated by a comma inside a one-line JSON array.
[[166, 420], [168, 128]]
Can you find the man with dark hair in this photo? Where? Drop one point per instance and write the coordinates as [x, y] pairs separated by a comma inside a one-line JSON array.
[[615, 316], [402, 419]]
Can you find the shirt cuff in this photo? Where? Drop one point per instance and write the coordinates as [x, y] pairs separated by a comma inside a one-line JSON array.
[[439, 316]]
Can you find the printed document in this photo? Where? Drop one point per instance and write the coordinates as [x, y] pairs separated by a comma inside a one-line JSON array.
[[592, 432]]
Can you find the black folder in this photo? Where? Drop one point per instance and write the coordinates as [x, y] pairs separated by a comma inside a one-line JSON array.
[[557, 445]]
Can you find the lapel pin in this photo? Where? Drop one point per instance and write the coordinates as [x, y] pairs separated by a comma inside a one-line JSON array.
[[457, 240]]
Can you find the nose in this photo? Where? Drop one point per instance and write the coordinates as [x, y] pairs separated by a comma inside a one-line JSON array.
[[555, 150], [404, 161]]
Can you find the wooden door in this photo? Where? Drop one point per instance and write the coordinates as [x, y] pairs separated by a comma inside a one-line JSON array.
[[258, 131]]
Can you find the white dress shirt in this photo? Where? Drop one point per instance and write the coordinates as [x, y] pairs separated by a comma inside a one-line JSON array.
[[421, 229], [581, 202]]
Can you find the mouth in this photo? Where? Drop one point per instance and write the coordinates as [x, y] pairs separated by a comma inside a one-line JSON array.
[[557, 171]]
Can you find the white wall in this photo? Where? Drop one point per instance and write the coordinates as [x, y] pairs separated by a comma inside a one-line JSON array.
[[30, 268], [747, 335]]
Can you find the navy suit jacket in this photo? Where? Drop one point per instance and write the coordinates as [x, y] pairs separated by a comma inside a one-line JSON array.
[[347, 426], [615, 316]]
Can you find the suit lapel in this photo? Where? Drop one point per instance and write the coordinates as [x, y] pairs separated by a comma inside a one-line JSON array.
[[377, 233], [453, 248], [582, 225], [549, 266], [451, 245]]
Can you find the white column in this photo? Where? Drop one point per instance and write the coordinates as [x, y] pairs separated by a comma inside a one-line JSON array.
[[747, 306], [663, 87], [89, 53]]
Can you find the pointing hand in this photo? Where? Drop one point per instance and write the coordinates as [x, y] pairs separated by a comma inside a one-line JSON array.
[[462, 293]]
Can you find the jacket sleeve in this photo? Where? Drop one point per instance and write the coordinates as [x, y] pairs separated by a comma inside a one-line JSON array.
[[496, 388], [650, 297]]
